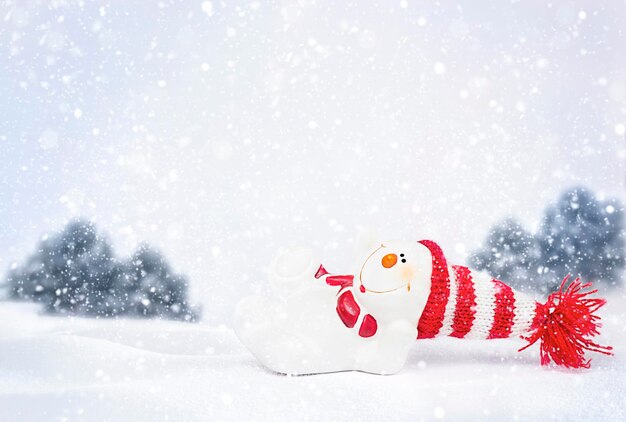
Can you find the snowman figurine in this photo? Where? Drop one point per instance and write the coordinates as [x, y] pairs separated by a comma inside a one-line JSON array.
[[318, 322]]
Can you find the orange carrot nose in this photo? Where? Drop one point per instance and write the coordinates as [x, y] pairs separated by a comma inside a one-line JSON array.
[[389, 260]]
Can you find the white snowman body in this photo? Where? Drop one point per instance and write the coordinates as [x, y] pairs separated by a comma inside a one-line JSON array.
[[299, 330]]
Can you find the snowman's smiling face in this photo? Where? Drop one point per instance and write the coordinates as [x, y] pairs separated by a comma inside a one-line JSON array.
[[387, 270], [395, 277]]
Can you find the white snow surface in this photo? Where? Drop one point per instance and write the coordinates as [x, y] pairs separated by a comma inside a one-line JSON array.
[[74, 369]]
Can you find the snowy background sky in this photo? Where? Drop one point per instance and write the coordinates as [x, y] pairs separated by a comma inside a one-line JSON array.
[[222, 131]]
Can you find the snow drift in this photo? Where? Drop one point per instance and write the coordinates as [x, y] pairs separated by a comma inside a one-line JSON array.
[[72, 369]]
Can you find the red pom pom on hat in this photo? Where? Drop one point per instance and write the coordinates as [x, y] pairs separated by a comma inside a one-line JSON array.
[[565, 324]]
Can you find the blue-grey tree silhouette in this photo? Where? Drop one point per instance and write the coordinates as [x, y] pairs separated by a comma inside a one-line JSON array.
[[582, 236], [75, 272], [579, 235], [511, 253]]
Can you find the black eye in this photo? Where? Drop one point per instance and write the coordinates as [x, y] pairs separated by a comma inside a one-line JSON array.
[[404, 260], [401, 255]]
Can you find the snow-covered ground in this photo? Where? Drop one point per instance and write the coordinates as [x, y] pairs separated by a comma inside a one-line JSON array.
[[71, 369]]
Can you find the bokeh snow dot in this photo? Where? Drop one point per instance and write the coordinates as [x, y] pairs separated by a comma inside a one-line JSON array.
[[223, 151], [207, 7]]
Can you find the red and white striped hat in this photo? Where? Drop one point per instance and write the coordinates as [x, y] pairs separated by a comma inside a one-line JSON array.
[[471, 305]]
